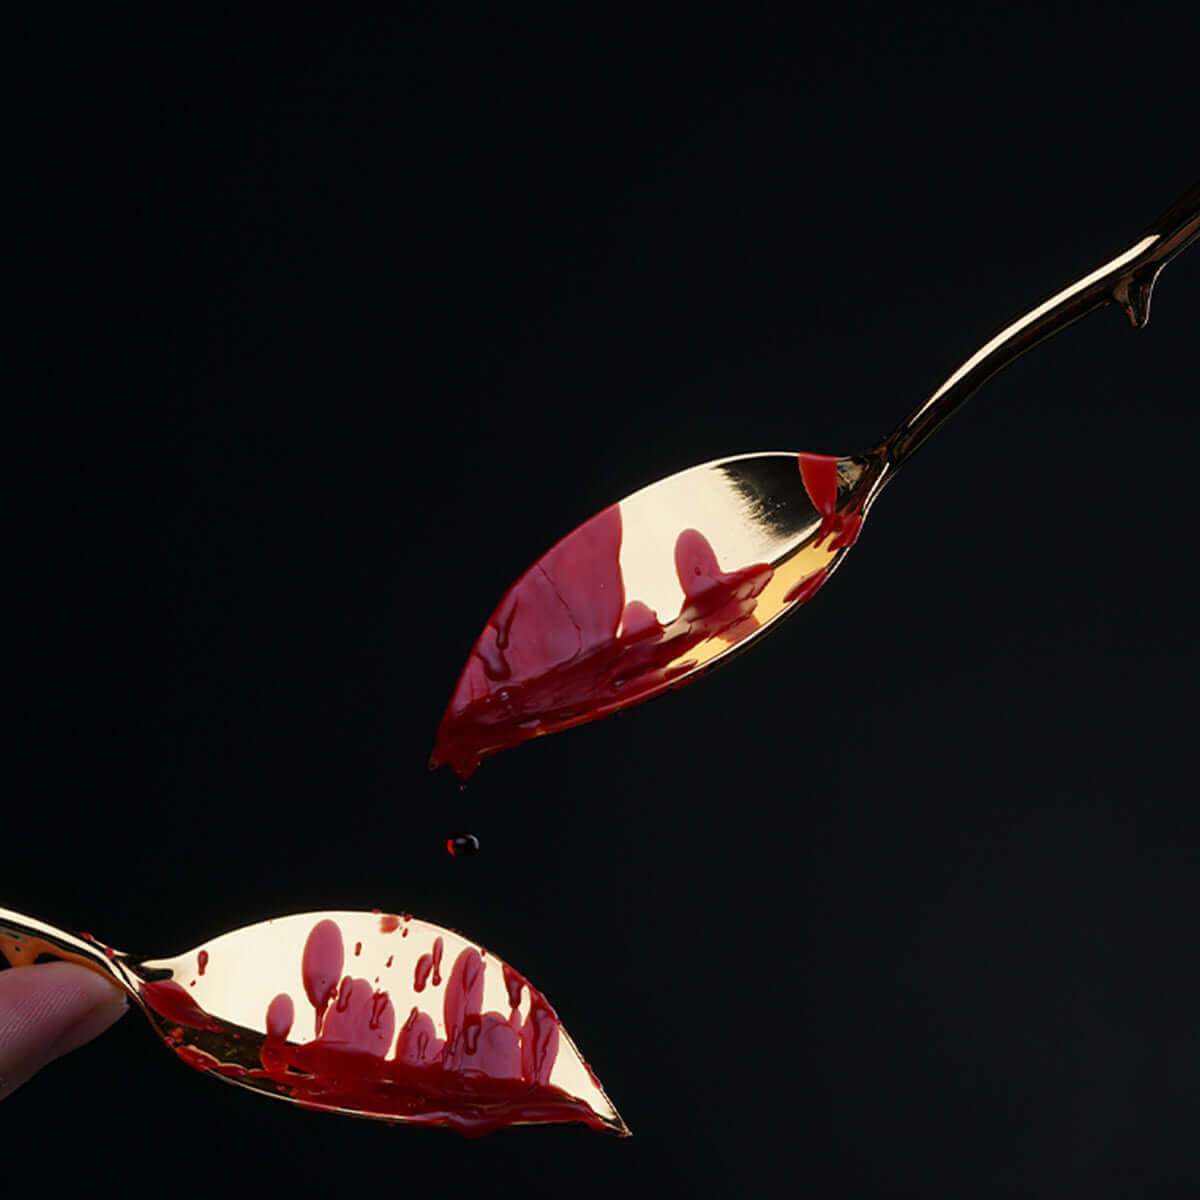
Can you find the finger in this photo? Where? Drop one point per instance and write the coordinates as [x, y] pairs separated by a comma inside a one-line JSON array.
[[48, 1010]]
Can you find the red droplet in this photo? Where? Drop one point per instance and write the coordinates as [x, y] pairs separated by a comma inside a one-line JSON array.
[[321, 967], [281, 1013]]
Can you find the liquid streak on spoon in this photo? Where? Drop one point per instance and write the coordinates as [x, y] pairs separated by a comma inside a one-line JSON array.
[[680, 575], [368, 1014]]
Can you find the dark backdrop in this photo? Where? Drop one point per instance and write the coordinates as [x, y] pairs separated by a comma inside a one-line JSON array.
[[350, 320]]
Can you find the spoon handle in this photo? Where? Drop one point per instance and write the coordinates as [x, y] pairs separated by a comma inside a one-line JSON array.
[[1127, 280], [23, 939]]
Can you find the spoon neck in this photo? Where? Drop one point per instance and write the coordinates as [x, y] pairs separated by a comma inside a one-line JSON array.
[[1126, 279], [25, 939]]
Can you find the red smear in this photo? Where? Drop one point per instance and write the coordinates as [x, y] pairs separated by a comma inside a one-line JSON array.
[[361, 1020], [807, 588], [206, 1062], [389, 923], [851, 523], [551, 656], [820, 476], [427, 964], [172, 1003], [819, 473], [488, 1073], [202, 961]]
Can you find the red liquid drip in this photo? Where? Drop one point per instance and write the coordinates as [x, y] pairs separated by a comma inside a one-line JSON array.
[[427, 964], [389, 923], [513, 983], [820, 476], [488, 1073], [321, 966], [551, 656], [202, 961]]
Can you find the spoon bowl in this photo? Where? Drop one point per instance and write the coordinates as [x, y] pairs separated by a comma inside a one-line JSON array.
[[368, 1014], [681, 575]]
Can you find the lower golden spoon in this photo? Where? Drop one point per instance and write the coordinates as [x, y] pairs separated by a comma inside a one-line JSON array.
[[369, 1014]]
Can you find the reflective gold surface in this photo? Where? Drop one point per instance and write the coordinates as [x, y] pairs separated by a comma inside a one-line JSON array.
[[752, 508]]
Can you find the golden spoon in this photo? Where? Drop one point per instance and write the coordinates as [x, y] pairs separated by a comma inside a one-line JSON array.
[[677, 577], [370, 1014]]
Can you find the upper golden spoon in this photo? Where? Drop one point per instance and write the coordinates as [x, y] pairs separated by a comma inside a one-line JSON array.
[[678, 576]]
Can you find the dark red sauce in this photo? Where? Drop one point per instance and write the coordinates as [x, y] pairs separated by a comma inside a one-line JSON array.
[[202, 961], [489, 1072], [172, 1002], [566, 645]]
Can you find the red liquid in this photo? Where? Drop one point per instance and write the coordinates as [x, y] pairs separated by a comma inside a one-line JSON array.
[[322, 966], [427, 964], [491, 1071], [172, 1003], [551, 656], [807, 588], [820, 476]]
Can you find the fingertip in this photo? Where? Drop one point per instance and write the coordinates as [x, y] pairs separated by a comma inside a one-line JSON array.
[[48, 1010]]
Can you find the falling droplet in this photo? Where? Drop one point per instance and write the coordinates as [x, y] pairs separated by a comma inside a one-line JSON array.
[[462, 844]]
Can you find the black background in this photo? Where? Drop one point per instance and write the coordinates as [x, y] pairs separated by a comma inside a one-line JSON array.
[[349, 320]]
